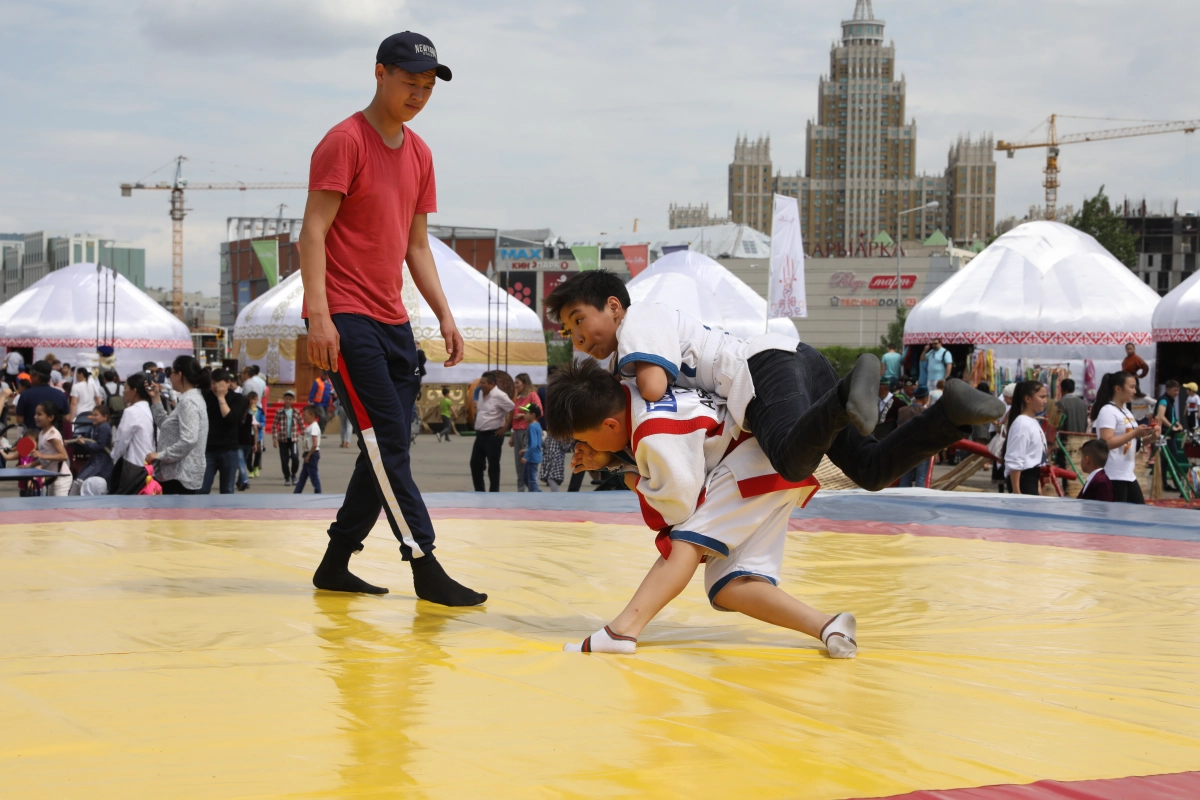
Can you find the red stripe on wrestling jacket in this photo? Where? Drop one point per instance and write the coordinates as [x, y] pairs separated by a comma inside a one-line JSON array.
[[774, 482], [677, 427]]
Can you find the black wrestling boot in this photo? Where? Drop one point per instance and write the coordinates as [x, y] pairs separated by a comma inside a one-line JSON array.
[[432, 583], [859, 393], [333, 574], [966, 405]]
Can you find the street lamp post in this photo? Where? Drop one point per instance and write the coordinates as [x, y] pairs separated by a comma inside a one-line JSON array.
[[930, 204]]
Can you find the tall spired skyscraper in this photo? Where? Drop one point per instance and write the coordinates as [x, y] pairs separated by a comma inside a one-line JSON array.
[[860, 162]]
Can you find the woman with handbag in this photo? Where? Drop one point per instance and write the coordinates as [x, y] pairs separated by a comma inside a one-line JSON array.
[[182, 434], [134, 439]]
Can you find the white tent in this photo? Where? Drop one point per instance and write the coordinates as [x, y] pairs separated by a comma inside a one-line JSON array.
[[1043, 294], [496, 329], [266, 330], [59, 314], [700, 287], [1177, 318]]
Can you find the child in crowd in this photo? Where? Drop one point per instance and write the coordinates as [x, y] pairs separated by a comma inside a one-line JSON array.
[[786, 392], [445, 411], [706, 487], [531, 455], [24, 452], [1192, 406], [312, 451], [287, 432], [1092, 458]]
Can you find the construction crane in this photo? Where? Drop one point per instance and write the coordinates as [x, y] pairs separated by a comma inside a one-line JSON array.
[[1054, 141], [177, 212]]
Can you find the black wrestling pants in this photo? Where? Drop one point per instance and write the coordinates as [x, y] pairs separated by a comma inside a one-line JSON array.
[[797, 417]]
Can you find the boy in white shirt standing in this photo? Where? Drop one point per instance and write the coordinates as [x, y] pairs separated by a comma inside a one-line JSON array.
[[312, 452]]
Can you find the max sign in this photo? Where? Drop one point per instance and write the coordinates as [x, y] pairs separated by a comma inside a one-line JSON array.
[[850, 282]]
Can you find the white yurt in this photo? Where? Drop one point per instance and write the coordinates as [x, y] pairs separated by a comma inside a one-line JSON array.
[[1043, 296], [1177, 318], [1177, 332], [60, 315], [693, 283], [265, 332], [496, 329]]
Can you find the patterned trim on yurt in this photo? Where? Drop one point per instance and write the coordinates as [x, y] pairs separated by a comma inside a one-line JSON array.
[[1177, 334], [1033, 337], [143, 344]]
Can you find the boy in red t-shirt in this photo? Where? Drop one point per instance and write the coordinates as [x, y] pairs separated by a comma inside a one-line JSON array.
[[371, 186]]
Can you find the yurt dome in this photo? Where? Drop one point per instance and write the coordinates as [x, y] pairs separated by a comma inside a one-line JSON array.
[[1177, 318], [1044, 293], [60, 315], [695, 284], [266, 330], [496, 329]]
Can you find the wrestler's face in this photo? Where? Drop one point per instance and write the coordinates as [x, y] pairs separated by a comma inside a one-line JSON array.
[[610, 436], [592, 330]]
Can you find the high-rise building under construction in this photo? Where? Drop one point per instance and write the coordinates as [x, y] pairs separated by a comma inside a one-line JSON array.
[[860, 160]]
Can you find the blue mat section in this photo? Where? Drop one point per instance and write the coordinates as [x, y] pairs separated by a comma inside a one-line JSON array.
[[895, 506]]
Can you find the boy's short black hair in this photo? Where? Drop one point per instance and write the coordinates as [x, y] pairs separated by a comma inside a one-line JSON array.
[[580, 396], [311, 408], [532, 408], [1068, 386], [1096, 449], [593, 287]]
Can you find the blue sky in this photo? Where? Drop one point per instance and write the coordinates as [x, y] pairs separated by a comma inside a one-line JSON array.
[[574, 116]]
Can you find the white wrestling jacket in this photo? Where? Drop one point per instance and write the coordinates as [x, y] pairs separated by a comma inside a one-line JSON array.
[[694, 355], [678, 442]]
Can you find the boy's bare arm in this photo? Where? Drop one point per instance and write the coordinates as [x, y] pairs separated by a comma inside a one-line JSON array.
[[652, 381]]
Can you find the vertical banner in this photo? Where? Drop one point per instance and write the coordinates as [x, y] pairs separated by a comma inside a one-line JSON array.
[[551, 280], [587, 256], [637, 257], [267, 251], [674, 248], [785, 288]]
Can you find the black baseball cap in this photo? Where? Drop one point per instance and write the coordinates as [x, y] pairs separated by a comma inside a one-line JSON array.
[[42, 368], [411, 52]]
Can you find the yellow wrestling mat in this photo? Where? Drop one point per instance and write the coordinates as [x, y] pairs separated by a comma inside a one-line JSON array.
[[156, 659]]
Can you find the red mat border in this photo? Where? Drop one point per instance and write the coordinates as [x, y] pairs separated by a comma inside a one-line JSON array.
[[1176, 786], [1076, 541]]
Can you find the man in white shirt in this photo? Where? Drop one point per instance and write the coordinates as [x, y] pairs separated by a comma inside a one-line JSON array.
[[251, 382], [86, 394], [14, 364], [491, 423]]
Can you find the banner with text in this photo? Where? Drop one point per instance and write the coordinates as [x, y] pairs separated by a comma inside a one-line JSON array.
[[587, 256], [637, 257], [267, 251], [785, 289]]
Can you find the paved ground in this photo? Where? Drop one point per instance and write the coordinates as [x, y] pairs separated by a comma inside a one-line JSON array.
[[437, 467]]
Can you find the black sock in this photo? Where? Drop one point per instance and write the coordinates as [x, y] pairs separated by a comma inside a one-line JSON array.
[[333, 574], [433, 584]]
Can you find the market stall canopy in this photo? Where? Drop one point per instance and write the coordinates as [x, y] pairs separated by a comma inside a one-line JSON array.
[[58, 315], [1177, 318], [499, 331], [1043, 292], [700, 287]]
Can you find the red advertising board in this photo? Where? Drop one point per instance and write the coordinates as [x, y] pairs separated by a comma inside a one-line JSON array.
[[550, 281]]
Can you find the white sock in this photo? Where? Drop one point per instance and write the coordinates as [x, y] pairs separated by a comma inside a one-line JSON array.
[[839, 635], [604, 641]]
